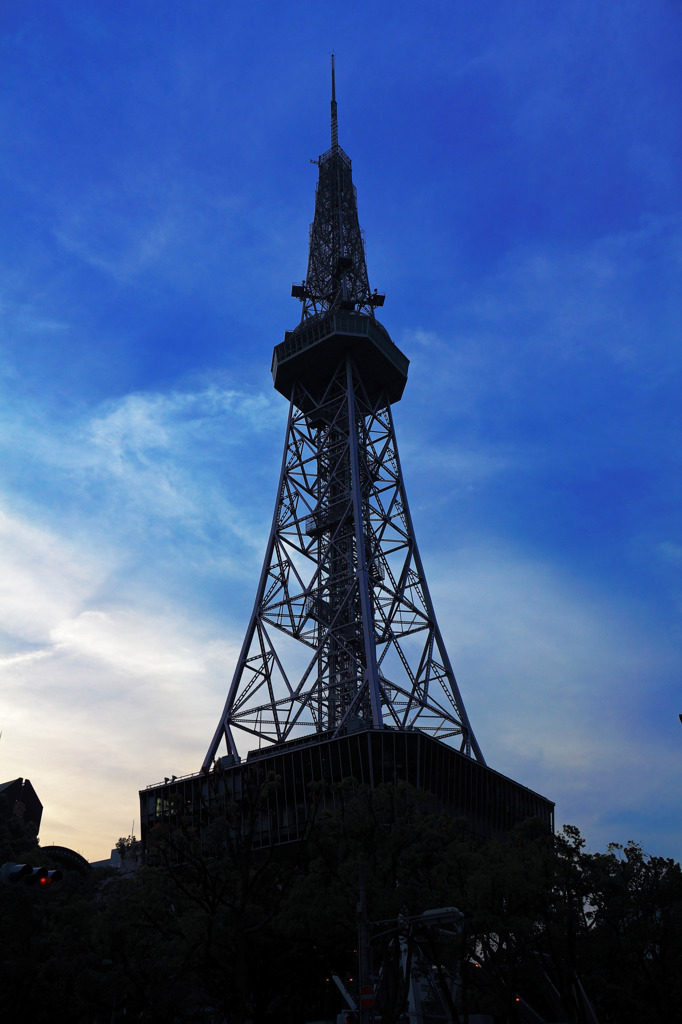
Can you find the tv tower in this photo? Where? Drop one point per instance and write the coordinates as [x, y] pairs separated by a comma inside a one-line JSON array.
[[343, 631], [343, 670]]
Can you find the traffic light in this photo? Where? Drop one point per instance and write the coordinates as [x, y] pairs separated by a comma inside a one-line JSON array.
[[46, 878], [24, 874]]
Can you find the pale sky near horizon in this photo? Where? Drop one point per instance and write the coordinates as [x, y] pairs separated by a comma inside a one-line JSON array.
[[519, 182]]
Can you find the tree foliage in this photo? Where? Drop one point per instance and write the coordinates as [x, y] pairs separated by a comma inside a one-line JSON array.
[[215, 929]]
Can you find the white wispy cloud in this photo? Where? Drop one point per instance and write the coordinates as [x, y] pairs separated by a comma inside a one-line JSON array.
[[123, 699], [554, 306], [178, 456], [136, 220], [167, 223], [576, 300], [110, 669], [567, 690], [670, 552], [45, 578], [106, 698]]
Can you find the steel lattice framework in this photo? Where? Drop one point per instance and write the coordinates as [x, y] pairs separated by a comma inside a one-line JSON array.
[[343, 634]]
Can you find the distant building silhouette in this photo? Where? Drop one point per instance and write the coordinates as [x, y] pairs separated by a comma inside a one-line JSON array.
[[19, 798]]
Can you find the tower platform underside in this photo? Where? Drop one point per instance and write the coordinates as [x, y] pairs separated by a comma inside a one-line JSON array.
[[310, 353], [304, 773]]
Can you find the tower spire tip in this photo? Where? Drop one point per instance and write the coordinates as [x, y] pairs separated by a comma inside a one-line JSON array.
[[335, 123]]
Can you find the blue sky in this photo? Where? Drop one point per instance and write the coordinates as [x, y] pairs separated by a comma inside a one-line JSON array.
[[519, 181]]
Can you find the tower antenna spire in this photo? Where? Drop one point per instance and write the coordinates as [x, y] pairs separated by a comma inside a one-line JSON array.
[[335, 123]]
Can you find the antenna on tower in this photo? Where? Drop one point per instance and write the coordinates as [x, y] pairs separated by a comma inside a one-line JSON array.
[[335, 123]]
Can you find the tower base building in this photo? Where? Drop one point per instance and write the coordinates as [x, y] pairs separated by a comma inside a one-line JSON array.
[[305, 773]]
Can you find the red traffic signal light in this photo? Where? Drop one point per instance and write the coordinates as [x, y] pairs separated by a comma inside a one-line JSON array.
[[45, 881]]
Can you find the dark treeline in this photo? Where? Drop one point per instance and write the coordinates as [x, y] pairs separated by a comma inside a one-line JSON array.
[[219, 932]]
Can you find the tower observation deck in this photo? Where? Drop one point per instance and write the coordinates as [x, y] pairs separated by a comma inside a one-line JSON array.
[[343, 669]]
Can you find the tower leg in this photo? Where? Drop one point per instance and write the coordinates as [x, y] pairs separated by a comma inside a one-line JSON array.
[[343, 633]]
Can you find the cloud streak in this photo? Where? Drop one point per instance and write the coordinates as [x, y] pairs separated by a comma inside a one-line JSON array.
[[567, 691], [104, 697]]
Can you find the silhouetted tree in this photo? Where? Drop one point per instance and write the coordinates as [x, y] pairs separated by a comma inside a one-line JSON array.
[[215, 922]]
